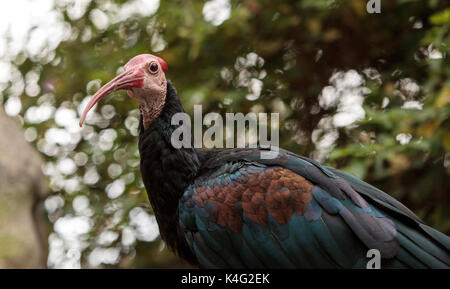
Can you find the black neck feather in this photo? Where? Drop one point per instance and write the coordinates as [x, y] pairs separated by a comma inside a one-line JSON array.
[[167, 172]]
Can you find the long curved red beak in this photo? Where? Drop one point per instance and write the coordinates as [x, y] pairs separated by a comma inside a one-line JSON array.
[[132, 78]]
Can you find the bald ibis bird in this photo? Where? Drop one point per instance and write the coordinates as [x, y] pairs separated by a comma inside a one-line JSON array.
[[230, 208]]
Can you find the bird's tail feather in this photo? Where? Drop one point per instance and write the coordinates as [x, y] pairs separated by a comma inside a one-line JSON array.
[[418, 250]]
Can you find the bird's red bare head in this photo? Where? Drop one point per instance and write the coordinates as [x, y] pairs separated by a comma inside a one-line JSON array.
[[144, 79]]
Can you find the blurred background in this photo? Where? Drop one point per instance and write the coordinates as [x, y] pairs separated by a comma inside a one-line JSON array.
[[366, 93]]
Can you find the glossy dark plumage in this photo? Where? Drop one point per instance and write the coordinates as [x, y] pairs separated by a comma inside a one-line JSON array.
[[231, 209]]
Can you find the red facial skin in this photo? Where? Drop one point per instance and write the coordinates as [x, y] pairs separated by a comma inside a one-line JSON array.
[[137, 75]]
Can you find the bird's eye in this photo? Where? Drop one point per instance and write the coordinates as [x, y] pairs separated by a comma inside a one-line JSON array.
[[153, 67]]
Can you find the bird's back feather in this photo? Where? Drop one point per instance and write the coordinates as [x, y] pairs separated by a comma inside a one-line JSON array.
[[292, 212]]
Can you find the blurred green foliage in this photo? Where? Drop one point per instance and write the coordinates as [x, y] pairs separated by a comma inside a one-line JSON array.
[[294, 48]]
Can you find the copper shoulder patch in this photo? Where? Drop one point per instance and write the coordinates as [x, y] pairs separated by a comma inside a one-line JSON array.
[[275, 191]]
